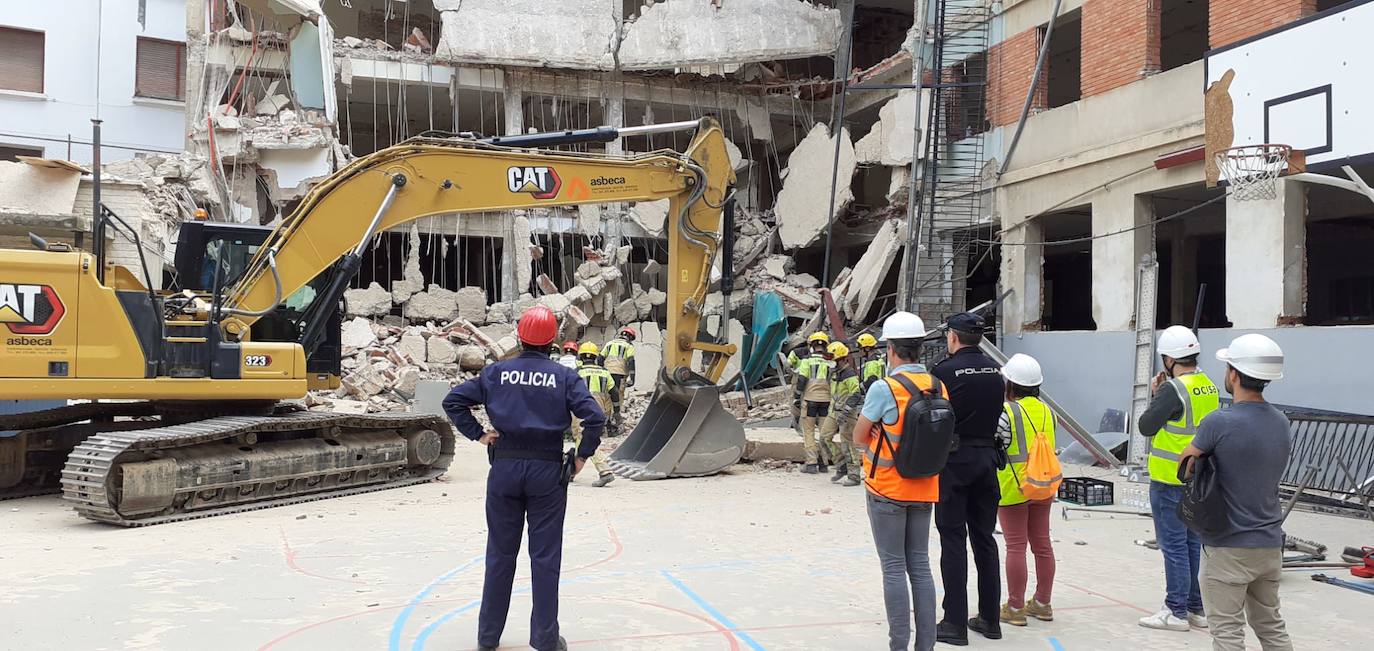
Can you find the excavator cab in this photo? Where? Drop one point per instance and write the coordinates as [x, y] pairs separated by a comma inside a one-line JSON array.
[[207, 248]]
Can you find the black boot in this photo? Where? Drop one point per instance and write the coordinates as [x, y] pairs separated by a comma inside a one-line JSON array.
[[822, 468], [810, 469], [951, 633], [989, 630], [840, 471]]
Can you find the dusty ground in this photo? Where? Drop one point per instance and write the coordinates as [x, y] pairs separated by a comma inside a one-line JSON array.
[[749, 560]]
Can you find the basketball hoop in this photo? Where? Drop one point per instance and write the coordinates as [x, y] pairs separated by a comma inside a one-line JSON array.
[[1252, 171]]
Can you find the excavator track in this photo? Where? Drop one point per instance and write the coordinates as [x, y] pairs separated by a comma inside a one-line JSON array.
[[231, 464]]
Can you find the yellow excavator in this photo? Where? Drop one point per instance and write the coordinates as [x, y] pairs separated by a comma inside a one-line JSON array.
[[174, 398]]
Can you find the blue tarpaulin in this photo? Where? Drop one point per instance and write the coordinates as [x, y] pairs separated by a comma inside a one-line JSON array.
[[765, 339]]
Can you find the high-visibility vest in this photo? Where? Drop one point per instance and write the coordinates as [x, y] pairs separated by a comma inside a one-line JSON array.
[[1200, 397], [816, 371], [843, 386], [885, 481], [599, 383], [874, 369], [1028, 415], [617, 353]]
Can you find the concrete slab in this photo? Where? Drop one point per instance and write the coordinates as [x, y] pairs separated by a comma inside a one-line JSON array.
[[749, 559], [777, 443]]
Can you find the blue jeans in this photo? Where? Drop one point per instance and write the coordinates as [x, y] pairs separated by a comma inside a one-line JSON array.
[[1182, 551], [902, 536]]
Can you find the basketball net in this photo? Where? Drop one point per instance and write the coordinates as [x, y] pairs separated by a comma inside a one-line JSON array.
[[1252, 171]]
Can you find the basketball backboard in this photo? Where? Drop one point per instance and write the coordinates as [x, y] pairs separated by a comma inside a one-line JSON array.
[[1306, 85]]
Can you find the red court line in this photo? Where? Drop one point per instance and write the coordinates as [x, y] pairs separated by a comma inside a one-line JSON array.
[[291, 562], [1111, 599], [290, 555]]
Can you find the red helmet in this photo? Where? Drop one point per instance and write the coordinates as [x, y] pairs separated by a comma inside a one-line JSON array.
[[538, 326], [629, 332], [570, 346]]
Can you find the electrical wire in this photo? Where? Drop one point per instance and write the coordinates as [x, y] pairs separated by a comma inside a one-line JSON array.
[[1089, 238]]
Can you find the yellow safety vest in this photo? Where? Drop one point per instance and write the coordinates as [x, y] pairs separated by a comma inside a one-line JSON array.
[[617, 353], [1028, 416], [816, 370], [1200, 397], [599, 383], [874, 369]]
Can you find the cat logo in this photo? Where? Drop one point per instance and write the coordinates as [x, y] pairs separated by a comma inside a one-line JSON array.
[[539, 182], [30, 309]]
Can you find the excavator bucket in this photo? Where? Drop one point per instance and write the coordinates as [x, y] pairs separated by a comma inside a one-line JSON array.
[[685, 433]]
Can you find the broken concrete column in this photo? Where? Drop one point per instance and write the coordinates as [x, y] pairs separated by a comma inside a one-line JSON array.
[[434, 304], [889, 142], [578, 316], [358, 333], [648, 355], [375, 300], [472, 304], [588, 270], [777, 266], [626, 311], [803, 205], [412, 345], [407, 379], [556, 302], [471, 358], [499, 313], [413, 280], [652, 216], [577, 295], [522, 259], [870, 271], [440, 350]]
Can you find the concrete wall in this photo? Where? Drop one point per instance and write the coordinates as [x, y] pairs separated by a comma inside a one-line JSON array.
[[1088, 372], [1097, 151], [68, 101]]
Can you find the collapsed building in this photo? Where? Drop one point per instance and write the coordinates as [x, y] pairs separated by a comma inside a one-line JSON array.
[[813, 96], [283, 93]]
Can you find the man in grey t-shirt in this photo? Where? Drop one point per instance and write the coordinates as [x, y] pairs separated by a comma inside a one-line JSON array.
[[1250, 443]]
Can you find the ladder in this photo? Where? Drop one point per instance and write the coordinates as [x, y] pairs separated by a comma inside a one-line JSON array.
[[1146, 292]]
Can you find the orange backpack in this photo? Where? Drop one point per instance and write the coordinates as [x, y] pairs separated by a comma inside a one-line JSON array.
[[1043, 474]]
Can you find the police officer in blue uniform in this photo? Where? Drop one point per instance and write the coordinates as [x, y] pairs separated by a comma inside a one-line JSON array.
[[969, 492], [528, 400]]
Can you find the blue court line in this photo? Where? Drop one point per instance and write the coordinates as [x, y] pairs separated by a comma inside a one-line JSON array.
[[398, 626], [429, 630], [1054, 644], [710, 610]]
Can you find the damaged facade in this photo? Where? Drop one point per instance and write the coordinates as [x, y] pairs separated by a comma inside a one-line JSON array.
[[280, 93]]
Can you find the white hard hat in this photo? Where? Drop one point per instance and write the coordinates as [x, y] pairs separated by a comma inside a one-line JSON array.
[[1254, 355], [1178, 342], [903, 325], [1022, 369]]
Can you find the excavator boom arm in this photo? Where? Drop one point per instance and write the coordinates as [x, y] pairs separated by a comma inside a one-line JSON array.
[[425, 177]]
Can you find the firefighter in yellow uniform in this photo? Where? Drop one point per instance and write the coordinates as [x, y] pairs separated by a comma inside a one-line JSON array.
[[618, 357], [603, 388], [812, 400], [846, 396], [873, 364]]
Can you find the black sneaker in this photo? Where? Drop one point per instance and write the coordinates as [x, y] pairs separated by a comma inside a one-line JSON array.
[[991, 631], [810, 469], [951, 633]]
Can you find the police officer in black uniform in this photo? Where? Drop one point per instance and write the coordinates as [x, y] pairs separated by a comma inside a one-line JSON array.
[[968, 485], [528, 400]]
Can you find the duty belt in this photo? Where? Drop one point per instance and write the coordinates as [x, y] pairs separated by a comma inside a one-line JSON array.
[[517, 453]]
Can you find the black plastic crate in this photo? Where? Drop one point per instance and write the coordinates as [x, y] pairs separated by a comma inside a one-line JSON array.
[[1086, 491]]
